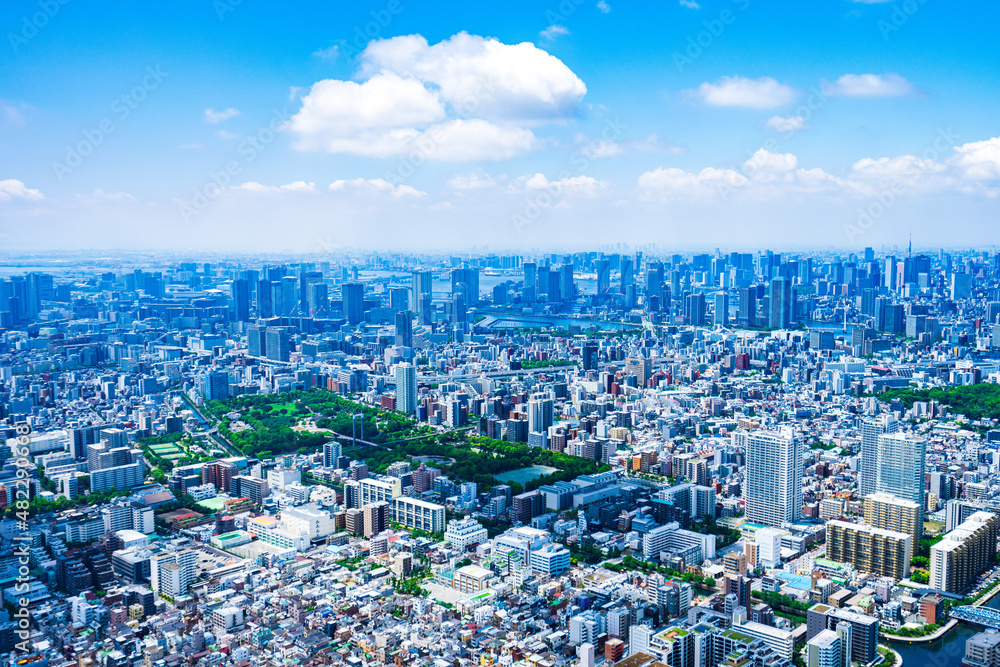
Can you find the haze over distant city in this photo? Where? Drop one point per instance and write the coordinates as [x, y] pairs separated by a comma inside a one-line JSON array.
[[394, 125]]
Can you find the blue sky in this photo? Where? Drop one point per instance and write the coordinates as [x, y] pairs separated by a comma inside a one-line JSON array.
[[241, 125]]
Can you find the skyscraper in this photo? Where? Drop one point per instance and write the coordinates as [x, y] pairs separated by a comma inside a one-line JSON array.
[[426, 309], [318, 299], [353, 299], [265, 307], [279, 343], [654, 279], [900, 466], [567, 286], [721, 315], [404, 329], [694, 309], [256, 341], [781, 304], [240, 290], [626, 275], [541, 281], [871, 429], [540, 415], [466, 280], [289, 296], [748, 307], [554, 292], [399, 299], [773, 486], [406, 388], [603, 275], [530, 275], [423, 283]]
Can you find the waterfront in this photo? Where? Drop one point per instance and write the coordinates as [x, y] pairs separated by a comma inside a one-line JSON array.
[[945, 652]]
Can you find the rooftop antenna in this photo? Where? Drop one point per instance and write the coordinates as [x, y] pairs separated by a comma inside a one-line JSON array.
[[909, 249]]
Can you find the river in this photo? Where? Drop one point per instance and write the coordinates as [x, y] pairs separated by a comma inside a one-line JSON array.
[[945, 652]]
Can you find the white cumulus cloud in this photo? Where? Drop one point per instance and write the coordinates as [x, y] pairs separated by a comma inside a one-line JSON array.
[[15, 189], [979, 160], [483, 76], [465, 98], [738, 91]]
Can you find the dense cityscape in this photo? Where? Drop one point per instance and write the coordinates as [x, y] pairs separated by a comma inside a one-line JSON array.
[[622, 457]]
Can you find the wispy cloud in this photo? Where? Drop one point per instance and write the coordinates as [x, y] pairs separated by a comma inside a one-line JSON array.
[[603, 7], [15, 112], [99, 196], [554, 31], [785, 124], [690, 4], [297, 186], [214, 117], [329, 53], [375, 186], [869, 85]]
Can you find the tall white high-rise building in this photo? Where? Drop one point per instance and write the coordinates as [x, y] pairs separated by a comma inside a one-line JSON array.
[[901, 461], [540, 416], [332, 451], [871, 430], [406, 388], [773, 485]]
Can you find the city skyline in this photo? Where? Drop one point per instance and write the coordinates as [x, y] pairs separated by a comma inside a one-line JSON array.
[[396, 127]]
